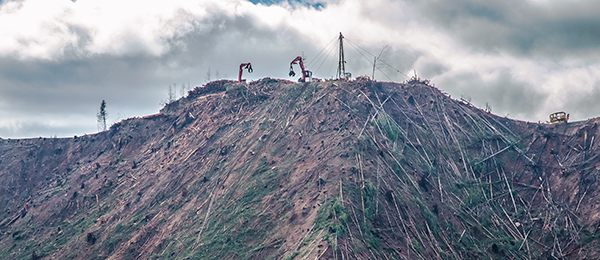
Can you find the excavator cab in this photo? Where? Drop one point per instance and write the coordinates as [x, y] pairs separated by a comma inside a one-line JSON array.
[[559, 117], [307, 73]]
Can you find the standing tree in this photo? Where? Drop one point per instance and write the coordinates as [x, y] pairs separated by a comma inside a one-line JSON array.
[[208, 75], [172, 94], [102, 116]]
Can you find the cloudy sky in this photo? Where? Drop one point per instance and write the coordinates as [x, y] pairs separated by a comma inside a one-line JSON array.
[[60, 58]]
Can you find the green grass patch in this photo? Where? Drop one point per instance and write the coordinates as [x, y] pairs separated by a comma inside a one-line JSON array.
[[332, 217], [234, 228], [388, 126]]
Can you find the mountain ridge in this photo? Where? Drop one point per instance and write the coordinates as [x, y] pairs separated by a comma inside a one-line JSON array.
[[277, 169]]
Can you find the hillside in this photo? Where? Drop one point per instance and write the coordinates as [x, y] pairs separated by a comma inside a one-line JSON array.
[[334, 170]]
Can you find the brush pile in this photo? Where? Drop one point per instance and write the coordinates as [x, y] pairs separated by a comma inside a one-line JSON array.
[[333, 170]]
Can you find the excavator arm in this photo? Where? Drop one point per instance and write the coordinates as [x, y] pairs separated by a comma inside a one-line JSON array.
[[244, 66], [305, 73], [297, 60]]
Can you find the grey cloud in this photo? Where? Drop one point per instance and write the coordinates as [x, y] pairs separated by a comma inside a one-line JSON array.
[[584, 104], [41, 86], [554, 28], [311, 3], [6, 1], [429, 67], [502, 92], [43, 129], [238, 39], [137, 84], [392, 64], [395, 61]]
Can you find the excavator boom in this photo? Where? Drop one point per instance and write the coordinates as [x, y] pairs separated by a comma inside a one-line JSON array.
[[244, 66], [305, 73]]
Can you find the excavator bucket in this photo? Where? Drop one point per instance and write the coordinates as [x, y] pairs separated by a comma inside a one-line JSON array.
[[292, 73]]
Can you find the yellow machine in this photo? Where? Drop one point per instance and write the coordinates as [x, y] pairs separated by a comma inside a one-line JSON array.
[[559, 117]]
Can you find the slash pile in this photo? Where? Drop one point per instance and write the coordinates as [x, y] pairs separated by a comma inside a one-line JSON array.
[[335, 169]]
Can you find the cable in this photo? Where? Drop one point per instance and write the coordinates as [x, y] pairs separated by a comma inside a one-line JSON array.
[[353, 48], [333, 69], [384, 63], [368, 59], [327, 54], [312, 62], [376, 67]]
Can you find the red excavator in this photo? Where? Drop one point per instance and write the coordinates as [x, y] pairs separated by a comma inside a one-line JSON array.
[[305, 73], [244, 66]]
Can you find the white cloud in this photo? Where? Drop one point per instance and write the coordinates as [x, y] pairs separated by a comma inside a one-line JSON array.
[[95, 48], [44, 29]]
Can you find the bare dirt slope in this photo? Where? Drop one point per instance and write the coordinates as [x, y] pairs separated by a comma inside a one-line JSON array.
[[275, 169]]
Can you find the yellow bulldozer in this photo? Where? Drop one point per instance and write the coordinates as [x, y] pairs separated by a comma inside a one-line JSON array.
[[559, 117]]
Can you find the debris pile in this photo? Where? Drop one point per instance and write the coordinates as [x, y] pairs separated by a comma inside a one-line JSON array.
[[337, 169]]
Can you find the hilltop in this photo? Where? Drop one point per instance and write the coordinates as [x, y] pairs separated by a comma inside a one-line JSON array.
[[333, 170]]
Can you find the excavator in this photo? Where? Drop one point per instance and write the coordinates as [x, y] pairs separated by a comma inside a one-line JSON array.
[[244, 66], [305, 73], [559, 117]]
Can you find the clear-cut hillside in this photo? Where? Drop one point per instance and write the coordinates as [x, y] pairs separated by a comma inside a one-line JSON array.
[[333, 170]]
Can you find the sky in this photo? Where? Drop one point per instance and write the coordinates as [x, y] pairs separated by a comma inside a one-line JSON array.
[[59, 59]]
